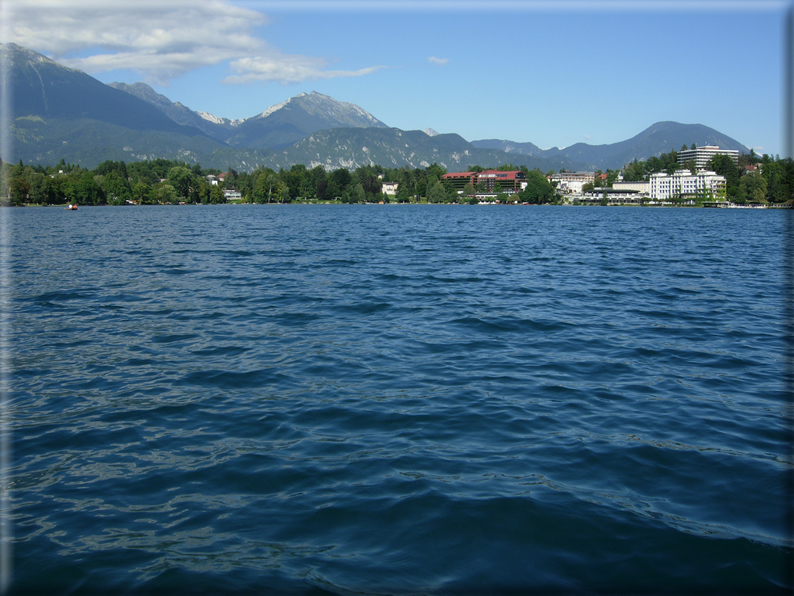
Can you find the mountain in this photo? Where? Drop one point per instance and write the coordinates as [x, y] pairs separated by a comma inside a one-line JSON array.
[[659, 138], [219, 129], [509, 146], [278, 127], [63, 113], [392, 147], [60, 112], [287, 123], [41, 87]]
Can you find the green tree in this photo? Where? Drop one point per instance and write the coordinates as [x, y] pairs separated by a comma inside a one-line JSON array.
[[403, 196], [116, 189], [20, 189], [42, 190], [538, 190], [142, 193], [88, 191], [166, 193], [216, 195], [180, 178], [436, 193], [753, 187], [724, 166]]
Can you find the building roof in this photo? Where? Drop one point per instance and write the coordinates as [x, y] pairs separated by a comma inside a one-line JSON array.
[[498, 174]]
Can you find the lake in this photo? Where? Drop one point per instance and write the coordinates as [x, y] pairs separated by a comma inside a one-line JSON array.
[[398, 399]]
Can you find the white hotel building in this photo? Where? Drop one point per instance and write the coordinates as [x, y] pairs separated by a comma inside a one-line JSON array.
[[702, 155], [572, 182], [686, 184]]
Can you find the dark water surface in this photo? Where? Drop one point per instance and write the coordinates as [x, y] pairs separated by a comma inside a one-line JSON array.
[[398, 400]]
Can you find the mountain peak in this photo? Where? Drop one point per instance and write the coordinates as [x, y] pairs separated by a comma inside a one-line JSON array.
[[20, 56]]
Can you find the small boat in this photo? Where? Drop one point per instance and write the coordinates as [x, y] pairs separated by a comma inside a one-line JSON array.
[[72, 207]]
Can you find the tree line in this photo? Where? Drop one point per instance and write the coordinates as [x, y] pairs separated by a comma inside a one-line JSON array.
[[162, 181]]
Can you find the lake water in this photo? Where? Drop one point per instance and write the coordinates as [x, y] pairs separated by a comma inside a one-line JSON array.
[[395, 399]]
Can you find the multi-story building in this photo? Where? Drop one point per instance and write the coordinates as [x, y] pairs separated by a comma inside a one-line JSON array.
[[572, 182], [702, 155], [685, 184], [509, 182]]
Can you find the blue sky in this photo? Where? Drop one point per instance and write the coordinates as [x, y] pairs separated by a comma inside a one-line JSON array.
[[550, 73]]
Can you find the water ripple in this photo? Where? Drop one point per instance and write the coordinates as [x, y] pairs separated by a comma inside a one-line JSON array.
[[398, 399]]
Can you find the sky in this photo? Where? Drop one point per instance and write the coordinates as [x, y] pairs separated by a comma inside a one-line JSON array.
[[552, 73]]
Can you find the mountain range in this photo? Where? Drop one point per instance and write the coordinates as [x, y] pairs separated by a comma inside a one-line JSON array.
[[62, 113]]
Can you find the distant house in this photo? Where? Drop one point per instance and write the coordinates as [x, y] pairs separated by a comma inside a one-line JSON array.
[[213, 180], [572, 182], [232, 195], [389, 188]]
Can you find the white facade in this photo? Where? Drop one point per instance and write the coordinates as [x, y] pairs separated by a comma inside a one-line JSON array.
[[643, 187], [702, 155], [389, 188], [686, 184], [572, 182]]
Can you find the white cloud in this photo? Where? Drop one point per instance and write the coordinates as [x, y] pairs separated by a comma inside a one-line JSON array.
[[439, 61], [161, 39], [274, 66]]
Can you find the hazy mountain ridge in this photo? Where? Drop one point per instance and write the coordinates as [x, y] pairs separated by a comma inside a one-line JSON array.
[[63, 113], [661, 137], [392, 147], [217, 128]]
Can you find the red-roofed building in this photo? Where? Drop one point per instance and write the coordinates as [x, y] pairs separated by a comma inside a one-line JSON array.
[[509, 182]]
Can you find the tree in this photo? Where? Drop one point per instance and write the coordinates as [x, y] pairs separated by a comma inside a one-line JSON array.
[[42, 191], [216, 195], [20, 188], [538, 190], [634, 172], [403, 196], [753, 187], [165, 193], [263, 188], [142, 193], [180, 178], [88, 191], [117, 190], [724, 166], [436, 193], [357, 194]]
